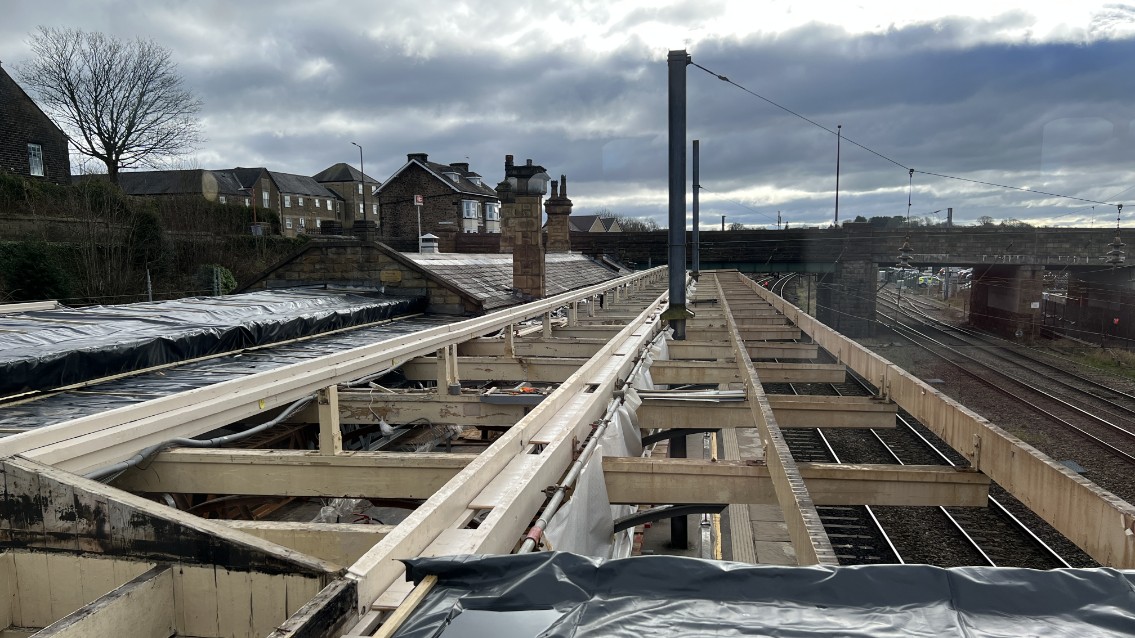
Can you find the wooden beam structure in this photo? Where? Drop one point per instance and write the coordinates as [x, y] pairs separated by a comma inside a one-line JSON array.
[[646, 480], [90, 442], [392, 475], [806, 531], [1096, 520], [291, 579], [792, 411]]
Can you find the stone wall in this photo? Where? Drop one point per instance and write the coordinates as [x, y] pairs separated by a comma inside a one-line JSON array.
[[361, 265]]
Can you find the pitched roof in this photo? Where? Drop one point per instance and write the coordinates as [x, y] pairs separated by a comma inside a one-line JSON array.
[[488, 277], [341, 172], [467, 182], [299, 185], [582, 223], [175, 182]]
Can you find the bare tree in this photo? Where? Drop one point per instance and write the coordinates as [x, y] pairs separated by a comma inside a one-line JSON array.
[[122, 102]]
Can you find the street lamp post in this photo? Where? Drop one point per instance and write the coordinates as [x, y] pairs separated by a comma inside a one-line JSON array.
[[362, 182]]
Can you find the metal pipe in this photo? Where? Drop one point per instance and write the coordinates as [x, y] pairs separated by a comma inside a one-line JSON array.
[[676, 313], [537, 530], [695, 238]]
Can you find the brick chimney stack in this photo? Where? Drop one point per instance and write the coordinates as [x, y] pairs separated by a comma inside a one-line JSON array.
[[558, 207]]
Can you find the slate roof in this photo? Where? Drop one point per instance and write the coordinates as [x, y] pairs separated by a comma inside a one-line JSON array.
[[488, 277], [299, 185], [583, 223], [174, 182], [463, 183], [341, 172]]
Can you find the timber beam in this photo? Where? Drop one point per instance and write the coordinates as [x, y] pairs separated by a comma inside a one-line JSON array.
[[408, 475], [675, 372], [83, 444], [809, 539], [647, 480], [761, 333], [581, 347], [629, 480], [337, 543], [792, 411], [756, 350], [1098, 521], [536, 369], [362, 407]]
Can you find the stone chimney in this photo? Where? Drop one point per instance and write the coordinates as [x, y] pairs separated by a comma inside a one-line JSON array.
[[421, 157], [558, 207], [461, 166], [521, 194]]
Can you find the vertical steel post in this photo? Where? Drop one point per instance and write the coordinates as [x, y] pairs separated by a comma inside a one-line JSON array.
[[696, 238], [676, 314], [838, 140]]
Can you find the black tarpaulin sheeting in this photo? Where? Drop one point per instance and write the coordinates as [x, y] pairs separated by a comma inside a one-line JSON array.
[[560, 594], [53, 348]]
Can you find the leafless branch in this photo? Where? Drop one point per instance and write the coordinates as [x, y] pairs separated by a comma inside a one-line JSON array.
[[122, 102]]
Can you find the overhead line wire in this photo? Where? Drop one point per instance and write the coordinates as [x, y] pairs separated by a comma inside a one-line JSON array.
[[725, 79]]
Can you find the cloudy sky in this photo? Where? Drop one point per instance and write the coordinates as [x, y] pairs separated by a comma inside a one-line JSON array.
[[1040, 98]]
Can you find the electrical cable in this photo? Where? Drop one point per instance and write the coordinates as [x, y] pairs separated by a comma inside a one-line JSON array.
[[111, 471], [874, 152]]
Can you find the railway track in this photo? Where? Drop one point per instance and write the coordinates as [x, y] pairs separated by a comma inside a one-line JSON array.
[[954, 536], [1106, 423]]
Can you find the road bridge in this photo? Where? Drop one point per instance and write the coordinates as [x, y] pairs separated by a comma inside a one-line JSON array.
[[1008, 279], [120, 554]]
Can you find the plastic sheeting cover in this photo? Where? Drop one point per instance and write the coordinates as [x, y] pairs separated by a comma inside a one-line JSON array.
[[558, 594], [52, 348]]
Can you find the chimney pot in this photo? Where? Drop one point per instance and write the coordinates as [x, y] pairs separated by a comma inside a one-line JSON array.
[[529, 162], [507, 161], [555, 189]]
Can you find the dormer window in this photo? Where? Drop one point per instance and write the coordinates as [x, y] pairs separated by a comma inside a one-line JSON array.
[[452, 176], [476, 181]]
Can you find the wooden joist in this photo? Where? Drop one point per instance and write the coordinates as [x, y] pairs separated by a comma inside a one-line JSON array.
[[791, 411], [659, 481], [98, 440], [756, 350], [296, 473], [1096, 520]]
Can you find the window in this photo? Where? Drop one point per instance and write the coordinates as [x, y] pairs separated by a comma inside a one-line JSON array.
[[360, 188], [247, 202], [318, 222], [287, 201], [222, 199], [362, 211], [264, 197], [35, 160], [303, 222], [300, 202], [492, 211], [318, 203], [287, 222], [328, 204], [470, 209], [374, 210]]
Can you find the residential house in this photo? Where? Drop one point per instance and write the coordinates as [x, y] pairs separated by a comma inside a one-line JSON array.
[[593, 224], [348, 183], [302, 203], [30, 143], [453, 199], [214, 186]]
